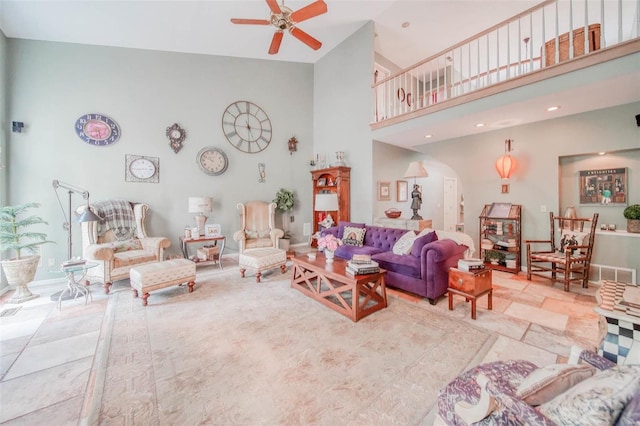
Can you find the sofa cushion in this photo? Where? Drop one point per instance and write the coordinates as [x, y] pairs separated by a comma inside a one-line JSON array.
[[598, 400], [546, 383], [127, 245], [352, 236], [132, 257], [404, 244], [342, 225], [631, 414], [347, 252], [402, 264], [420, 242]]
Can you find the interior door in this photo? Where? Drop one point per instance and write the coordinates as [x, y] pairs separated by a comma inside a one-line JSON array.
[[450, 203]]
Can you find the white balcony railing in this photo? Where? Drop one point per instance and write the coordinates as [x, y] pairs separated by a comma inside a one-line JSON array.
[[535, 39]]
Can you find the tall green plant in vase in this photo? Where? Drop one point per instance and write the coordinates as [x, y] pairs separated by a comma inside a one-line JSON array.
[[17, 238], [284, 203]]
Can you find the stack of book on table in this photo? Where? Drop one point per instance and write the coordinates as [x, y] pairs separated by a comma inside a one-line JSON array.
[[470, 265], [362, 264]]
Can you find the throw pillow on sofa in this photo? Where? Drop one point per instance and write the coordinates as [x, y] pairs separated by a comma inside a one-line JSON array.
[[421, 241], [546, 383], [598, 400], [353, 236], [342, 225], [404, 244]]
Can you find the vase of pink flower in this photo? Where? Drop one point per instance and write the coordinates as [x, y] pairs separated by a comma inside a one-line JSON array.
[[329, 244]]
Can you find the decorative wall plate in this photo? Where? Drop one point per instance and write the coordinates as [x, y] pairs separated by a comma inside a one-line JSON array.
[[176, 135], [246, 126], [213, 161], [139, 168], [97, 129]]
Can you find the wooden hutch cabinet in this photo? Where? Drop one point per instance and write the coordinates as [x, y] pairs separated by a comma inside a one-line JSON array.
[[332, 180]]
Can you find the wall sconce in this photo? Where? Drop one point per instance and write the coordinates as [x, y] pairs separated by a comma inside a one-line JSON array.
[[261, 173], [292, 145], [506, 164], [17, 126]]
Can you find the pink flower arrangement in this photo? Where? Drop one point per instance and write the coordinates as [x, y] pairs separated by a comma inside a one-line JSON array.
[[329, 242]]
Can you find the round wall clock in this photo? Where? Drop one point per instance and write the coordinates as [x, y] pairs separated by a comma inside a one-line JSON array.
[[246, 126], [97, 129], [139, 168], [176, 135], [213, 161]]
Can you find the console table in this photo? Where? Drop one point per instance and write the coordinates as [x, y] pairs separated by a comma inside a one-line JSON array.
[[621, 344], [409, 224], [184, 245]]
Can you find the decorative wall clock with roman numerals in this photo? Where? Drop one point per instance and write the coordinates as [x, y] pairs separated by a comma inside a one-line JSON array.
[[246, 126], [97, 129]]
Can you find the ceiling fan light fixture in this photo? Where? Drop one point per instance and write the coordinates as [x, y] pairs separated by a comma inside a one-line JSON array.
[[284, 18]]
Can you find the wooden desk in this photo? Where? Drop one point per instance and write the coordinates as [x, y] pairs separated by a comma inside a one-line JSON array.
[[471, 285]]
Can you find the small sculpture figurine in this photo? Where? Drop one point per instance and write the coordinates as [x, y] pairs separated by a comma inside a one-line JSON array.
[[416, 202]]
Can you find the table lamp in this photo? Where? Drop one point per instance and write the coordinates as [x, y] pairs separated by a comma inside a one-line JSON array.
[[200, 205], [327, 202]]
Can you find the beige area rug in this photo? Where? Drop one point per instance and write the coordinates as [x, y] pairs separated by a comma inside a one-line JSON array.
[[234, 352]]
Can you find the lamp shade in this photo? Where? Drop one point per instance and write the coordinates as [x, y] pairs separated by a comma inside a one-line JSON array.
[[326, 202], [200, 204], [88, 216], [505, 165], [416, 170]]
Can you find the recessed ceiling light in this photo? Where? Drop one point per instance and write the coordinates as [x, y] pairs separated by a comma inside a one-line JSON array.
[[428, 136], [406, 24], [601, 153], [480, 125], [553, 108]]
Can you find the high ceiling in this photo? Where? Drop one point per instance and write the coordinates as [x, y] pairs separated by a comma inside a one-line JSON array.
[[204, 27]]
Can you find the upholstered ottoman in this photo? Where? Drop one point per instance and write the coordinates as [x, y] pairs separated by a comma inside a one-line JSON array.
[[157, 275], [262, 259]]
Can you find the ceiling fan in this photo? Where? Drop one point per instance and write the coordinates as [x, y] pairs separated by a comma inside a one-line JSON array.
[[284, 18]]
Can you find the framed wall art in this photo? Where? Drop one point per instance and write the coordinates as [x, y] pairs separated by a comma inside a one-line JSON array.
[[384, 191], [212, 229], [604, 186], [402, 190]]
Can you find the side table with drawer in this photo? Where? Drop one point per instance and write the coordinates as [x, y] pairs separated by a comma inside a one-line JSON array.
[[471, 285]]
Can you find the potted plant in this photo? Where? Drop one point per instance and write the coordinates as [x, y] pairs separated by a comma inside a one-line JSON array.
[[284, 202], [16, 237], [632, 214]]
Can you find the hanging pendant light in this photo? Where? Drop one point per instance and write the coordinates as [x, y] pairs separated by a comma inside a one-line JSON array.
[[506, 164]]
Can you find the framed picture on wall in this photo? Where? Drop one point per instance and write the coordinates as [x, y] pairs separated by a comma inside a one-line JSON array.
[[604, 187], [402, 190], [384, 191]]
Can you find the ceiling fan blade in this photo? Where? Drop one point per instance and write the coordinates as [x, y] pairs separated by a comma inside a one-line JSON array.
[[250, 21], [314, 9], [305, 38], [275, 42], [273, 5]]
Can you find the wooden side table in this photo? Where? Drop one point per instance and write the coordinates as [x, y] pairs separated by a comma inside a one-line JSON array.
[[471, 285]]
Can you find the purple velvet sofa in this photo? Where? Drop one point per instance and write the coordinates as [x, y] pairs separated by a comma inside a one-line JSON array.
[[425, 271]]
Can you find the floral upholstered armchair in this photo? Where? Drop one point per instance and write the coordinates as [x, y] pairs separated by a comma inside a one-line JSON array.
[[257, 226], [119, 241], [587, 390]]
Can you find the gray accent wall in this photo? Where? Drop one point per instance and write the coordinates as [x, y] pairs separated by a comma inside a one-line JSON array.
[[52, 84], [342, 113]]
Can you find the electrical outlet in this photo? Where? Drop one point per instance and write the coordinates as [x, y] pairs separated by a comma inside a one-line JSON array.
[[543, 209], [306, 229], [52, 262]]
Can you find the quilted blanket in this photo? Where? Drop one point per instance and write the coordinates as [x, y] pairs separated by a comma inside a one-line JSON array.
[[118, 216]]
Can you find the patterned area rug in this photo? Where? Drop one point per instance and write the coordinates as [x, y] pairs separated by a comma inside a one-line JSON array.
[[234, 352]]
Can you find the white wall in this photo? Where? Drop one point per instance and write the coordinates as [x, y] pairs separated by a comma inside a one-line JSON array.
[[4, 130], [537, 148], [52, 84]]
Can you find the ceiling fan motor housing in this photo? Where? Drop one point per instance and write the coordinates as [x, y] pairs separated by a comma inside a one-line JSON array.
[[281, 20]]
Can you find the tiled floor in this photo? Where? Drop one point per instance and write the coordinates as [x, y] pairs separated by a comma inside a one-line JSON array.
[[46, 354]]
